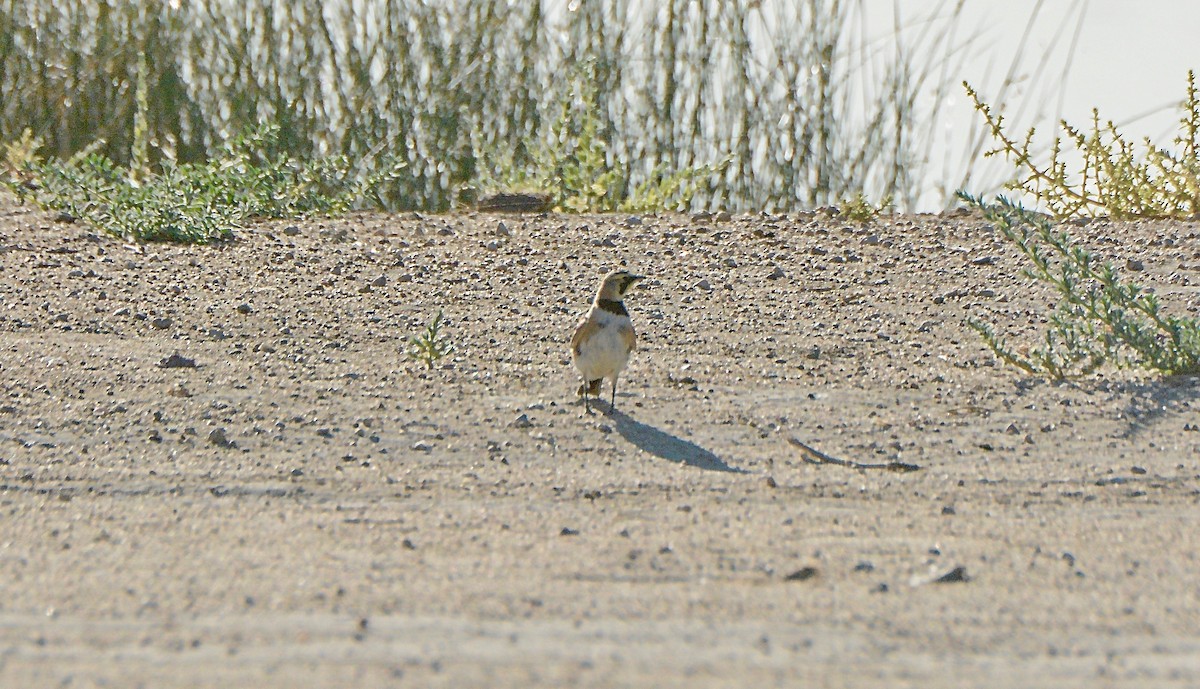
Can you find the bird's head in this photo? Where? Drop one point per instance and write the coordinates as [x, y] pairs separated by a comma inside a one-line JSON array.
[[616, 284]]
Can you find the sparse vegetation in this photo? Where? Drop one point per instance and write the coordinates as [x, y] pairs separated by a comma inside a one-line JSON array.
[[430, 346], [1099, 318], [858, 209], [739, 105], [193, 203], [573, 164], [1105, 174]]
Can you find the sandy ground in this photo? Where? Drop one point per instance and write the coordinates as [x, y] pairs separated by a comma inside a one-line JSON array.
[[308, 507]]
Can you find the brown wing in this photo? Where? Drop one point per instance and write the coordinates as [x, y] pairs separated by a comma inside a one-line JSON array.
[[628, 337], [586, 329]]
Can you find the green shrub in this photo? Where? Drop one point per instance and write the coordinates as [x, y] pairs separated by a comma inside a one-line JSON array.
[[805, 102], [1111, 178], [189, 202], [574, 164], [858, 209], [1099, 318], [430, 346]]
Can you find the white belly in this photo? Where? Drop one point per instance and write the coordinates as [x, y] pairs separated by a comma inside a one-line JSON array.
[[603, 355]]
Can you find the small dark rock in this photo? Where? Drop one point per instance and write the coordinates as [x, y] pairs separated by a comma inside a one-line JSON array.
[[771, 482], [567, 531], [516, 203], [958, 574], [948, 510], [1140, 471], [864, 566], [802, 574], [217, 437], [160, 323], [245, 308], [177, 361], [1135, 265]]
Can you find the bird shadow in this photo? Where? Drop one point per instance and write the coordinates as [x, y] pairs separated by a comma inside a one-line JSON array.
[[666, 446]]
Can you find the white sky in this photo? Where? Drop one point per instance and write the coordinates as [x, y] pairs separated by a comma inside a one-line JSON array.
[[1131, 59]]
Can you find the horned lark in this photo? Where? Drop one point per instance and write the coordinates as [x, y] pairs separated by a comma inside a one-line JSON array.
[[604, 339]]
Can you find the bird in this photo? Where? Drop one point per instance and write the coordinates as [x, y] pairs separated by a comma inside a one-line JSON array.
[[603, 340]]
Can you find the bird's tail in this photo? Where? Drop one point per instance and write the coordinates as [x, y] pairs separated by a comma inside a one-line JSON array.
[[592, 388]]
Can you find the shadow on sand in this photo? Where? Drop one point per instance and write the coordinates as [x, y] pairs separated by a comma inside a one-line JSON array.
[[666, 446], [1150, 401]]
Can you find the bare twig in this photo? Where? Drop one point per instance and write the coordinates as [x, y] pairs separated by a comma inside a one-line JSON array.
[[815, 456]]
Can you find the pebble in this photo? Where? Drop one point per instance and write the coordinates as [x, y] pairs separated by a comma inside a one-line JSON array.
[[244, 308], [776, 274], [176, 361], [956, 575], [217, 437], [802, 574], [521, 421]]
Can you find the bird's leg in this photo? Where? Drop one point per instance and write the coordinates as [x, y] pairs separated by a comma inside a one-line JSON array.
[[612, 406], [587, 407]]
